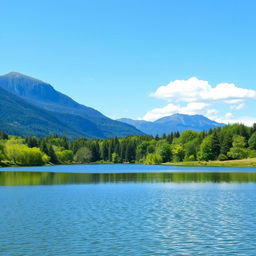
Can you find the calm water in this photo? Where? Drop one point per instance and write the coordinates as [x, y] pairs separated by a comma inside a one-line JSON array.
[[126, 168], [147, 213]]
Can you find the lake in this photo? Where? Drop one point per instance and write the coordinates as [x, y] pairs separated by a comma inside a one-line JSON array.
[[127, 210]]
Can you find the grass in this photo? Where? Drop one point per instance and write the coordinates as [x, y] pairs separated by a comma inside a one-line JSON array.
[[249, 162]]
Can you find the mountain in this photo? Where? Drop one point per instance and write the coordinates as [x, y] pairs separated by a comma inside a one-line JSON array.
[[18, 117], [68, 116], [173, 123]]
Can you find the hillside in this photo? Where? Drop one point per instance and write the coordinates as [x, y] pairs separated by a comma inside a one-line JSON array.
[[21, 118], [78, 118]]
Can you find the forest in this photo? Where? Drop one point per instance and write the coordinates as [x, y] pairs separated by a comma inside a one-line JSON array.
[[235, 141]]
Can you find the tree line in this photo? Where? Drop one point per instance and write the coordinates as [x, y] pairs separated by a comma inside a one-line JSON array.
[[229, 142]]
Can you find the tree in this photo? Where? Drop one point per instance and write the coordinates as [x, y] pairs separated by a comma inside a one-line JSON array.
[[164, 150], [94, 147], [177, 152], [52, 155], [191, 149], [206, 152], [104, 150], [153, 158], [226, 143], [21, 154], [141, 150], [215, 145], [238, 150], [187, 136], [83, 155], [3, 136], [115, 158], [252, 141], [31, 142], [65, 156]]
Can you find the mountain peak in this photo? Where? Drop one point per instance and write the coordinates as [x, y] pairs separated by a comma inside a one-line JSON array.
[[19, 76], [13, 73], [80, 118], [173, 123]]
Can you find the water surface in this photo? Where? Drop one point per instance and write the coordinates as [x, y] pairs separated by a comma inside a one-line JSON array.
[[95, 211], [126, 168], [129, 219]]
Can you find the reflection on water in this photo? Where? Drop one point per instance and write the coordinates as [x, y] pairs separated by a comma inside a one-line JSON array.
[[51, 178]]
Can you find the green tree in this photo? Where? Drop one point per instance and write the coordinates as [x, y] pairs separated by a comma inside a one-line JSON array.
[[83, 155], [215, 145], [164, 150], [115, 158], [52, 154], [252, 141], [191, 148], [153, 158], [206, 152], [226, 143], [65, 156], [21, 154], [238, 150], [177, 152]]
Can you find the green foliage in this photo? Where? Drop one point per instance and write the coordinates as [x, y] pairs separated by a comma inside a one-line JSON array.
[[115, 158], [188, 136], [65, 156], [83, 155], [21, 154], [177, 152], [222, 157], [252, 141], [222, 144], [191, 149], [153, 158], [206, 152], [238, 150], [163, 148]]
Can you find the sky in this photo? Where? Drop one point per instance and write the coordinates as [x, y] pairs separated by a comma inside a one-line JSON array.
[[139, 59]]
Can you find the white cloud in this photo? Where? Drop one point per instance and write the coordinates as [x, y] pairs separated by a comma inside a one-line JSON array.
[[195, 90], [237, 107], [194, 96], [228, 115], [249, 121]]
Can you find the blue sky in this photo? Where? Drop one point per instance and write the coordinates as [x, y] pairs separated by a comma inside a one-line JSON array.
[[112, 55]]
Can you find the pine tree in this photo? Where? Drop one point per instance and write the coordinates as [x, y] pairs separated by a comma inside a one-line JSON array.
[[52, 155], [215, 145]]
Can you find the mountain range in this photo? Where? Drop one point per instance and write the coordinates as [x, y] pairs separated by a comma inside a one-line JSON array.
[[31, 107], [173, 123]]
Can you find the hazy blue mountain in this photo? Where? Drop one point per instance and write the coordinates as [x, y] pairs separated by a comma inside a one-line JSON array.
[[82, 119], [173, 123]]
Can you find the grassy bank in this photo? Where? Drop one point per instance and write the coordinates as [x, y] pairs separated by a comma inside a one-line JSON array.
[[249, 162]]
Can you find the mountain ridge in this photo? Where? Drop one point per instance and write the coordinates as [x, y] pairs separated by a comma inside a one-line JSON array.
[[173, 123], [65, 109]]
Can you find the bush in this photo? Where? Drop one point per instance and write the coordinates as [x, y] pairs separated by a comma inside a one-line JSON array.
[[21, 154], [65, 156], [153, 158], [222, 157], [83, 155]]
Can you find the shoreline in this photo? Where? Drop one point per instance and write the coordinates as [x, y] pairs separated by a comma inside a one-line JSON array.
[[249, 162]]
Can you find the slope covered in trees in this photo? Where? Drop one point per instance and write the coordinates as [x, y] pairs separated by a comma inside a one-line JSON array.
[[229, 142], [78, 119]]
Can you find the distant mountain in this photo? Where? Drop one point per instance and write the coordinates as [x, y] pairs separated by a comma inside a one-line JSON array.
[[72, 118], [173, 123]]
